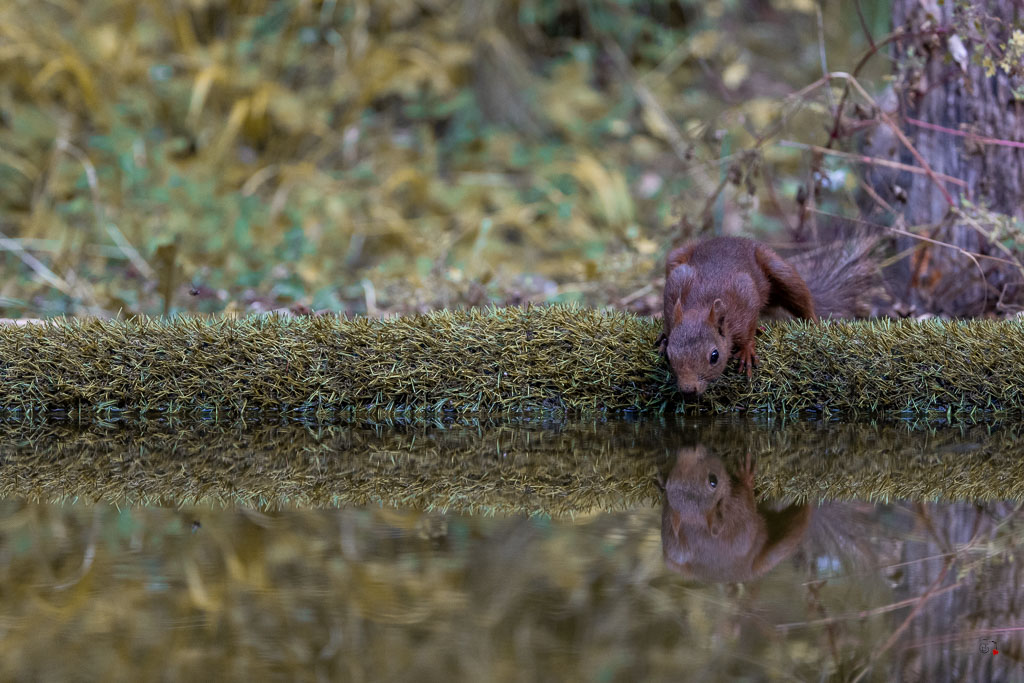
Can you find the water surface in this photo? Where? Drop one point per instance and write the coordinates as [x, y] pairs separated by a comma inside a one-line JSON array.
[[534, 550]]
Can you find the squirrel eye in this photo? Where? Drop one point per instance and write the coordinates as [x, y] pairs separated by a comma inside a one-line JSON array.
[[712, 480], [714, 356]]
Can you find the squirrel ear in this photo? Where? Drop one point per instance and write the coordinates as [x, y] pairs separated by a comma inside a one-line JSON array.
[[677, 312], [717, 315], [715, 519]]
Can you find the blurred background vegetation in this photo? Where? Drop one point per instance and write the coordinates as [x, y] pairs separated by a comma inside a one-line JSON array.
[[396, 155]]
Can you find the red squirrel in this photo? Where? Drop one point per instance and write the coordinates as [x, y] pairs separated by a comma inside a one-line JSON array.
[[712, 528], [716, 289]]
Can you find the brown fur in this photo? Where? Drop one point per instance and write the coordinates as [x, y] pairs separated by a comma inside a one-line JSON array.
[[715, 291], [718, 533], [842, 277]]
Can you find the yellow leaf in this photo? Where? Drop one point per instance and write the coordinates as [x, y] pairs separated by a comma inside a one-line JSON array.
[[704, 44], [76, 69], [761, 111], [239, 112], [200, 89], [645, 247], [805, 6], [735, 74], [655, 122], [105, 40], [607, 188]]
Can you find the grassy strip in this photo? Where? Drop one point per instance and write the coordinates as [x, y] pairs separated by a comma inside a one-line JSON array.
[[538, 467], [498, 360]]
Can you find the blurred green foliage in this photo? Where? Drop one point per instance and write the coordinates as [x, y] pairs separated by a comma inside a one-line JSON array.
[[381, 154]]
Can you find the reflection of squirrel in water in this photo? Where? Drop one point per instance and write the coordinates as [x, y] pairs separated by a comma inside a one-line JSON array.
[[716, 289], [712, 528]]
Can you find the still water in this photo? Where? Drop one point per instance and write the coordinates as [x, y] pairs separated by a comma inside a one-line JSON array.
[[671, 549]]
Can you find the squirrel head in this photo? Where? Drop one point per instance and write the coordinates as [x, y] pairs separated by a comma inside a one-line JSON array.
[[695, 489], [698, 346], [713, 529]]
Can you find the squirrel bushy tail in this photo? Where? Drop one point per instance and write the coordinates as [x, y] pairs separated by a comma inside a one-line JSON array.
[[842, 276]]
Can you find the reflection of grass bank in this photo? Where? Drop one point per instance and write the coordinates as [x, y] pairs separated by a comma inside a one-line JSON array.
[[491, 466], [505, 361], [468, 467]]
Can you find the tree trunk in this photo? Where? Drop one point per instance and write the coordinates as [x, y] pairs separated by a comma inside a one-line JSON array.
[[943, 83]]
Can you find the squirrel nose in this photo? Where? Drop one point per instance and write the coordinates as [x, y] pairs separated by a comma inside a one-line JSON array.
[[691, 390]]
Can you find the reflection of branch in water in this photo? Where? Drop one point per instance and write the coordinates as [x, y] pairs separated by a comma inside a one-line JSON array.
[[984, 592], [813, 588], [862, 614], [88, 555], [918, 606]]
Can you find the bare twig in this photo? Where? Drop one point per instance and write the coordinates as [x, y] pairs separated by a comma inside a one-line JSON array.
[[906, 233], [647, 99], [873, 161], [896, 35], [863, 614], [824, 61], [49, 277], [897, 132], [921, 602], [115, 233], [630, 298], [864, 26], [370, 294], [866, 186], [980, 139], [972, 222]]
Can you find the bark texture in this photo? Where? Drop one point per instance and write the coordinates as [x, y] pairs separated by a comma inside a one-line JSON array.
[[939, 82]]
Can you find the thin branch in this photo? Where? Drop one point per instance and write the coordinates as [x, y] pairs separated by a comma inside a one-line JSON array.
[[980, 139], [49, 277], [864, 26], [921, 602], [898, 133], [971, 221], [873, 161], [899, 231], [115, 233], [821, 58], [863, 614]]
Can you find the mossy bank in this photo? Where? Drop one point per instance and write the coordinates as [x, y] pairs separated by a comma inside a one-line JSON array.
[[509, 360]]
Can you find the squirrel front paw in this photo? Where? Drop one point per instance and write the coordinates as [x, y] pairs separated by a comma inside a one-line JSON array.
[[748, 358]]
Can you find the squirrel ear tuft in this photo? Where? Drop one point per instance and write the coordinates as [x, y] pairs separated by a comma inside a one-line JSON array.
[[677, 312]]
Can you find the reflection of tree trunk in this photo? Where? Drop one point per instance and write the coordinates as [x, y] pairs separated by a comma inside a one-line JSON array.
[[942, 642], [934, 88]]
